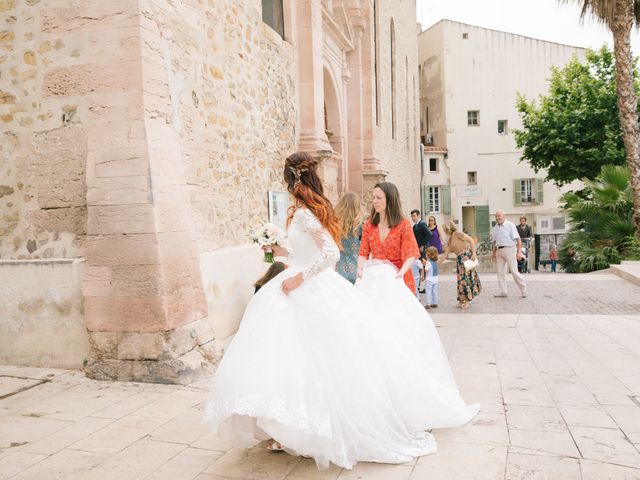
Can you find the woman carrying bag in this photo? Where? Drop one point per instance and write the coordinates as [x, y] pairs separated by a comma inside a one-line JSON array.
[[463, 246]]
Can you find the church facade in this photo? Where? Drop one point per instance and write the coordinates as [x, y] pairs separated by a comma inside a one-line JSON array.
[[139, 141]]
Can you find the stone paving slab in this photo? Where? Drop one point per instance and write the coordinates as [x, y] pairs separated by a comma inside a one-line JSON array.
[[560, 396], [548, 293]]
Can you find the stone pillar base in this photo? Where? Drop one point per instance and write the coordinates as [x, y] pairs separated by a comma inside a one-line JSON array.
[[369, 179], [329, 170], [183, 355]]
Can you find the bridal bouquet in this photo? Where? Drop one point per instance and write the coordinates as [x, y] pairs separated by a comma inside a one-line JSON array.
[[267, 235]]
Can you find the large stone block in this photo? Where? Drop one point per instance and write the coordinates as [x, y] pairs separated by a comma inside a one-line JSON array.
[[125, 314], [104, 345], [73, 219], [123, 161], [79, 80], [89, 15], [128, 190], [194, 365], [116, 219], [138, 218], [111, 250], [59, 165], [142, 346], [183, 307], [136, 280], [97, 281]]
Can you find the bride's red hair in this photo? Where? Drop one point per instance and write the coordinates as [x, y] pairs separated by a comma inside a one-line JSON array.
[[304, 184]]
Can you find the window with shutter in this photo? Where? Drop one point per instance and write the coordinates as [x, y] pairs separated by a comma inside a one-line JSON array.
[[446, 199], [434, 199], [517, 197], [426, 201], [273, 15], [539, 191]]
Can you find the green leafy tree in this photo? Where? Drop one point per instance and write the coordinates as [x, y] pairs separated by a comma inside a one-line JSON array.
[[575, 129], [620, 16], [601, 216]]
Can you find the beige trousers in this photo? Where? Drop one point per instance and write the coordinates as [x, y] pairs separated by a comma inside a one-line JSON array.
[[506, 257]]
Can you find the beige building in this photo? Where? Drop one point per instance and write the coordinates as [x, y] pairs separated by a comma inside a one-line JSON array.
[[139, 141], [469, 81]]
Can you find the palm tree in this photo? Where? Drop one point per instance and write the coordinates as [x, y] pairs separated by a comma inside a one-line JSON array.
[[602, 232], [620, 16]]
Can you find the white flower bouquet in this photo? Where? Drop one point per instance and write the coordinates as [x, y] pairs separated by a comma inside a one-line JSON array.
[[267, 235]]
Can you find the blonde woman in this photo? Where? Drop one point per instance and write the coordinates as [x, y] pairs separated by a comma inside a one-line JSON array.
[[349, 213], [464, 248]]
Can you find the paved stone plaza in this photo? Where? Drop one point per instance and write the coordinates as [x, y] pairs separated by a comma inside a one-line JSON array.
[[557, 374]]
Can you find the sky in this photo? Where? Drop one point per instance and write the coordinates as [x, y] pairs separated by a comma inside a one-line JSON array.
[[542, 19]]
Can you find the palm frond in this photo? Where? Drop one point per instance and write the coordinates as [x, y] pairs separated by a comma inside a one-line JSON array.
[[602, 231], [603, 11]]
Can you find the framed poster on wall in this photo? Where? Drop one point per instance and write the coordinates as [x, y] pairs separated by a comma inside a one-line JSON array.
[[278, 208]]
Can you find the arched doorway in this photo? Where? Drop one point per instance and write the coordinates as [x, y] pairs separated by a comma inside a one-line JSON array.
[[333, 125]]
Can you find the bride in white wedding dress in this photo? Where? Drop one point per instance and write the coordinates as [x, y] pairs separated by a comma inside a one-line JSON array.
[[316, 366]]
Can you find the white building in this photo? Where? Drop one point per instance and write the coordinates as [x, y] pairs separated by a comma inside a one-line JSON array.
[[469, 81]]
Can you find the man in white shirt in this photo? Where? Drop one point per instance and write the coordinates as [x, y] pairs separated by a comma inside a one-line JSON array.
[[506, 251]]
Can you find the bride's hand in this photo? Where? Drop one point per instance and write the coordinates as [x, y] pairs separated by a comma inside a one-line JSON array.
[[290, 284]]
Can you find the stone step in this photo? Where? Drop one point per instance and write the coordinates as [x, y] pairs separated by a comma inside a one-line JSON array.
[[628, 270]]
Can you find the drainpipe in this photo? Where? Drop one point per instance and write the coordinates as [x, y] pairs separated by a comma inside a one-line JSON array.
[[445, 158], [422, 182]]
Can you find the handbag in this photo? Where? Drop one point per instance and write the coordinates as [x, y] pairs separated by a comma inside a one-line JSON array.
[[470, 264]]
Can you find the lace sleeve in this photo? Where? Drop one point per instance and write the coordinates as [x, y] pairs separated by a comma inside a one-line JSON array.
[[329, 251]]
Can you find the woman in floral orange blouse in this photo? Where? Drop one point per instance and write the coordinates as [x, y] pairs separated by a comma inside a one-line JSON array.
[[387, 235]]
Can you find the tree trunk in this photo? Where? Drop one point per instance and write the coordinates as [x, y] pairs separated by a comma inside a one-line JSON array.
[[627, 99]]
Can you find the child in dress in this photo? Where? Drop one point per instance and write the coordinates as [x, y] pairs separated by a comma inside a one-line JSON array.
[[431, 278], [417, 270], [274, 269]]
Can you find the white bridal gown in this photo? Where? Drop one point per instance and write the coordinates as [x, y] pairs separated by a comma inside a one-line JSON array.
[[339, 373]]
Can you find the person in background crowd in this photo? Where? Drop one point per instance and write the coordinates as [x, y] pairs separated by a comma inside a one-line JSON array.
[[421, 231], [436, 234], [462, 245], [523, 229], [506, 251], [387, 235], [349, 213], [431, 279], [553, 256]]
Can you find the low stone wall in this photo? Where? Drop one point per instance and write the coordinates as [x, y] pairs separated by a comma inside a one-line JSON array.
[[41, 313], [228, 275], [42, 316]]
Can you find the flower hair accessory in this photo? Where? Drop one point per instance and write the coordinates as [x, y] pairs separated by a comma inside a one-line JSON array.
[[297, 173]]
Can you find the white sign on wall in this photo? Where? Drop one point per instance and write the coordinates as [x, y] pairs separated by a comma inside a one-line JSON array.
[[279, 208], [472, 191]]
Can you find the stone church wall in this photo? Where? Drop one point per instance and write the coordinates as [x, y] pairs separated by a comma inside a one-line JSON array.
[[43, 135], [226, 84], [231, 97]]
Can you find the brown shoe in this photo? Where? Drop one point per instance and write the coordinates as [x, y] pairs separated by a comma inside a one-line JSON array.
[[427, 307], [434, 306]]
